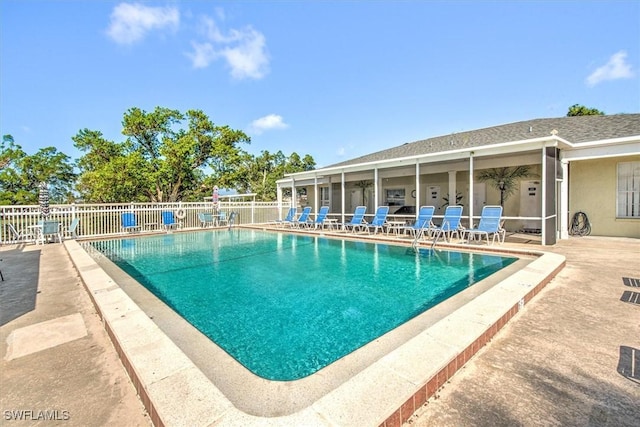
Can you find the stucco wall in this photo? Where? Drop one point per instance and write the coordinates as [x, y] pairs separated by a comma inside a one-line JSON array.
[[592, 190]]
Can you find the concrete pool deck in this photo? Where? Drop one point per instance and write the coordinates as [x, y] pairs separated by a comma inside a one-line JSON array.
[[179, 391]]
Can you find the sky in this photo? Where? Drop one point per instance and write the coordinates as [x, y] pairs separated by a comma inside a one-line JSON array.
[[333, 79]]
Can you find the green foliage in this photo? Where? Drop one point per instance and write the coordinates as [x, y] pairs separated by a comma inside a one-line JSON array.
[[163, 158], [457, 201], [166, 156], [505, 179], [581, 110], [20, 174], [259, 174]]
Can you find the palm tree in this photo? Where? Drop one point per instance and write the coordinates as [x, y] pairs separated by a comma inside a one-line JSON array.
[[364, 184], [504, 179]]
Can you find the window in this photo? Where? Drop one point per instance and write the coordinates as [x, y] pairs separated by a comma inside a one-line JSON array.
[[395, 197], [628, 190]]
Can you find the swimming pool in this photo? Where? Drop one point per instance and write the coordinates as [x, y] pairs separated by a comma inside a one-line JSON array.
[[285, 305]]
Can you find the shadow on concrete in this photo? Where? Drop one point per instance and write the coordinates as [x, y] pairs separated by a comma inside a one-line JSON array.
[[629, 363], [630, 297], [551, 397], [20, 286], [575, 392]]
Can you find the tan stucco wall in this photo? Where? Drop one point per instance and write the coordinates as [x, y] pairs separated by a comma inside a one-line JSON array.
[[592, 190]]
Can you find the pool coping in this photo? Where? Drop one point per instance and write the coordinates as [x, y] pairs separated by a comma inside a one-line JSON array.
[[175, 392]]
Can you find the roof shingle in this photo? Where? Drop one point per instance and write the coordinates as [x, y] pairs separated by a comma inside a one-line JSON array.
[[576, 129]]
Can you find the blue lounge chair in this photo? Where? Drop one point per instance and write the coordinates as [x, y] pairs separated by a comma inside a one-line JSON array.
[[357, 221], [301, 221], [288, 219], [450, 224], [222, 218], [489, 225], [320, 217], [71, 230], [50, 229], [379, 219], [129, 222], [169, 220], [206, 219], [424, 221]]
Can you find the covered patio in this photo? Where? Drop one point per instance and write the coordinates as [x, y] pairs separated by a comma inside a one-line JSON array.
[[444, 171]]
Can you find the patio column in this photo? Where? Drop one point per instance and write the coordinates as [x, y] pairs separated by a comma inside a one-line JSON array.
[[417, 202], [471, 189], [279, 196], [452, 188], [342, 187], [294, 200], [564, 201], [375, 187], [549, 200], [316, 197]]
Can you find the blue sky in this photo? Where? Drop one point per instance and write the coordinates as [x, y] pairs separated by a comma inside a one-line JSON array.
[[334, 79]]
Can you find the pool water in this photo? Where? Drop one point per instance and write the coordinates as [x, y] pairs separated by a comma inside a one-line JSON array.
[[285, 305]]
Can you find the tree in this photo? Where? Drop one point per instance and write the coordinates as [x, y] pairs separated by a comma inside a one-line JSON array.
[[364, 185], [505, 179], [581, 110], [20, 174], [161, 160], [259, 174]]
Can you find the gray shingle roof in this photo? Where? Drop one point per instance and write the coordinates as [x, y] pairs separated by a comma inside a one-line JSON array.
[[573, 129]]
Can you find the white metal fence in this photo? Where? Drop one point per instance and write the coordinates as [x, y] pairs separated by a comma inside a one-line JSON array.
[[99, 220]]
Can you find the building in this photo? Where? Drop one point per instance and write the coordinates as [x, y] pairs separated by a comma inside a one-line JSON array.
[[588, 164]]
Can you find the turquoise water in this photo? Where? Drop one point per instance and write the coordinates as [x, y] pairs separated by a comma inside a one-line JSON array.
[[285, 306]]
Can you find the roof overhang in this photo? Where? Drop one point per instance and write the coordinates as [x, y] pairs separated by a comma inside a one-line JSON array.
[[570, 152]]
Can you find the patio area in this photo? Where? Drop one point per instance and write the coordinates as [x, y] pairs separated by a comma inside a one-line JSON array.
[[569, 358]]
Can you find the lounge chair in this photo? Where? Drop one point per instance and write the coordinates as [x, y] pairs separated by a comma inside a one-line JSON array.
[[320, 217], [49, 229], [20, 236], [450, 224], [424, 221], [288, 219], [222, 218], [169, 221], [70, 231], [129, 222], [206, 219], [357, 221], [489, 225], [379, 220], [302, 219]]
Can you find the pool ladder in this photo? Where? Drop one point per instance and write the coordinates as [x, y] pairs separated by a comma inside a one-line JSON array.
[[421, 232]]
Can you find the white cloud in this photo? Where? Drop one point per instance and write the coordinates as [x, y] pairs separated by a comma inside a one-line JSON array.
[[268, 122], [130, 22], [244, 50], [616, 68]]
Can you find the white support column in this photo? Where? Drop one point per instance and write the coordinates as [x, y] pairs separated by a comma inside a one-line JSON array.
[[294, 199], [453, 191], [342, 184], [564, 201], [543, 182], [417, 202], [316, 197], [279, 195], [471, 189], [376, 197]]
